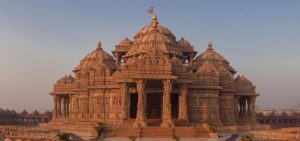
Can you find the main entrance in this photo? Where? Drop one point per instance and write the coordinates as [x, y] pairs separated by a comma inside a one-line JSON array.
[[133, 105], [154, 105], [175, 105]]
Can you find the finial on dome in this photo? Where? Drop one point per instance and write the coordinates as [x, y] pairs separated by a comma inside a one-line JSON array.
[[210, 45], [99, 45], [154, 21]]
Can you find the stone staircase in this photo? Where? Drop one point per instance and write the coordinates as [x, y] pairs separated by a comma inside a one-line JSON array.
[[151, 132], [156, 132], [181, 123]]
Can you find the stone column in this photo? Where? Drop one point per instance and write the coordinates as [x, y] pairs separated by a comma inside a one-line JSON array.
[[68, 106], [183, 102], [241, 107], [236, 107], [59, 105], [253, 107], [55, 106], [124, 102], [249, 107], [64, 106], [244, 107], [166, 111], [140, 114]]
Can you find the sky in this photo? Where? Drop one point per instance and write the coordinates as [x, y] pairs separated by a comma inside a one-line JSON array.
[[41, 41]]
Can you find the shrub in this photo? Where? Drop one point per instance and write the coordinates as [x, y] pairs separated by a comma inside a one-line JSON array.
[[132, 138], [176, 138], [211, 128], [99, 127], [247, 136], [63, 136]]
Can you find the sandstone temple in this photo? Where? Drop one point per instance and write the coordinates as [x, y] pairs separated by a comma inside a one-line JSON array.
[[154, 80]]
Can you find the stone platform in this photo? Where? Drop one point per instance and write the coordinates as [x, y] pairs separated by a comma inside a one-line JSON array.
[[85, 130]]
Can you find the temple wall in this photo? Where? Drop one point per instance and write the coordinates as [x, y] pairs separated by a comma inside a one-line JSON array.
[[203, 106], [97, 104], [227, 114]]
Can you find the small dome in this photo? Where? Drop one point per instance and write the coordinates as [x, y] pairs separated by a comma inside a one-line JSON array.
[[125, 42], [183, 42], [96, 58], [207, 70], [213, 57], [243, 79], [244, 85], [67, 79], [226, 78]]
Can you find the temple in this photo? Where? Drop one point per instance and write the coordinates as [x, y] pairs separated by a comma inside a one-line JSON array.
[[155, 80]]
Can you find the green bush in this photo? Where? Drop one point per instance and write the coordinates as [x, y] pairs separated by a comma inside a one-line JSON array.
[[132, 138], [247, 136], [176, 138], [99, 127], [63, 136], [211, 128]]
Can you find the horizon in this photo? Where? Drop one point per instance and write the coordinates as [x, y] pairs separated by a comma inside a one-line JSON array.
[[41, 41]]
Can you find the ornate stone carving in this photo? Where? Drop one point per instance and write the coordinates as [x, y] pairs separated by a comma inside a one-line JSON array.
[[124, 102], [183, 102], [166, 114], [140, 114]]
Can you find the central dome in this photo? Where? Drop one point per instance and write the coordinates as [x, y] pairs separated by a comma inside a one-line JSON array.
[[152, 38], [148, 28]]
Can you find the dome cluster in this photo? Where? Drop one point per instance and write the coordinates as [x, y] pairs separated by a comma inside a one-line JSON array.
[[155, 51]]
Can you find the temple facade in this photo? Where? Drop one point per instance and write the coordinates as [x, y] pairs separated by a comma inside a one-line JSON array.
[[155, 77]]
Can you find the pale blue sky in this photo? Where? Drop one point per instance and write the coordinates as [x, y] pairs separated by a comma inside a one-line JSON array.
[[40, 41]]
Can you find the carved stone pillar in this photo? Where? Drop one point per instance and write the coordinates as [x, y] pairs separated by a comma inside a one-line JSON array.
[[140, 114], [236, 108], [124, 102], [59, 105], [68, 106], [64, 106], [244, 107], [183, 102], [241, 107], [166, 111], [249, 107], [253, 107], [55, 106]]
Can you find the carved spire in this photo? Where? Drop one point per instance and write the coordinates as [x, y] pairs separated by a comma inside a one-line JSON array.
[[98, 45], [210, 46], [154, 21]]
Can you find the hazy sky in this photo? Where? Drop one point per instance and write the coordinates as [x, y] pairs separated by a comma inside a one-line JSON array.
[[41, 41]]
